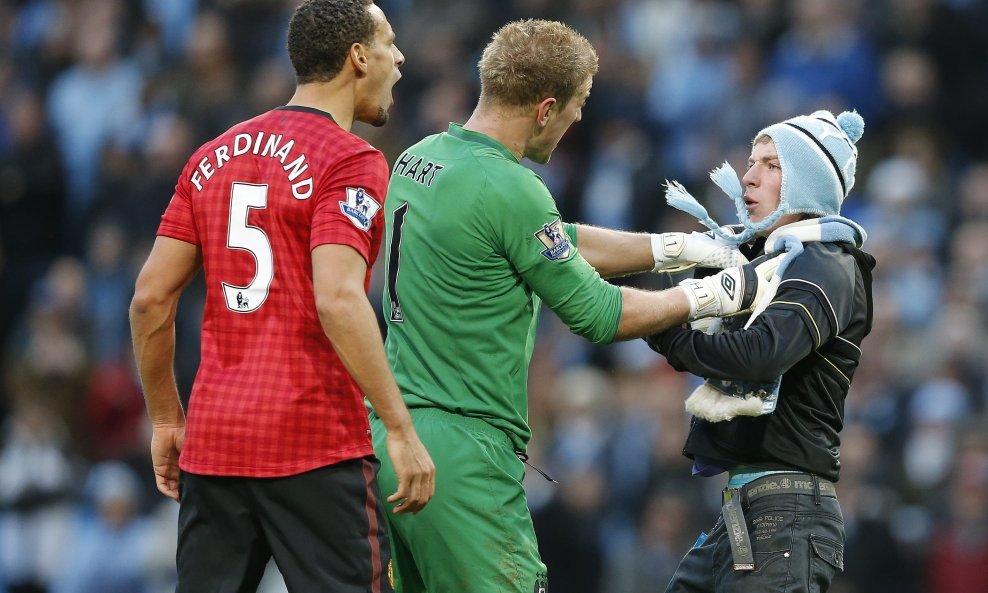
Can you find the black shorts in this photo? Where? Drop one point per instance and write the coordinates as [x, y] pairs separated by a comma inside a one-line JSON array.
[[324, 528]]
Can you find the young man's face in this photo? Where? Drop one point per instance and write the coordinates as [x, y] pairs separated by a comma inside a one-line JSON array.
[[383, 59], [763, 181], [561, 118], [763, 185]]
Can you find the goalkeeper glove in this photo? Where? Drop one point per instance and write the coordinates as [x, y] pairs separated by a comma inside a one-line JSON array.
[[729, 291], [675, 252]]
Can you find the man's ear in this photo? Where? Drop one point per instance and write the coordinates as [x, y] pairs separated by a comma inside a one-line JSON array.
[[358, 58], [544, 110]]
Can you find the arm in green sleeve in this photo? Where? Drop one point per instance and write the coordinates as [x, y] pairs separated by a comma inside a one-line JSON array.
[[538, 245]]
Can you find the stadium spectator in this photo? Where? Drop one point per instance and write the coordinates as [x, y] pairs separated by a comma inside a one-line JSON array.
[[31, 181], [108, 549], [37, 488], [958, 561], [92, 105]]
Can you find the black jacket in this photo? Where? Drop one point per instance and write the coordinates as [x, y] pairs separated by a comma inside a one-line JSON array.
[[811, 335]]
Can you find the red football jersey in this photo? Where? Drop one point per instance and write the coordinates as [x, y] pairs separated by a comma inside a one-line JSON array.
[[271, 397]]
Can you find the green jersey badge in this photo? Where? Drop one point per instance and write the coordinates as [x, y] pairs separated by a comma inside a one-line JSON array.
[[557, 244]]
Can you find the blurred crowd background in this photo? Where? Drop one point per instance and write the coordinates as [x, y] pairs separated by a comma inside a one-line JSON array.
[[102, 101]]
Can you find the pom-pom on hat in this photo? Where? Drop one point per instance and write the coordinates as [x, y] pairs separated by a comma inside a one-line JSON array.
[[819, 158]]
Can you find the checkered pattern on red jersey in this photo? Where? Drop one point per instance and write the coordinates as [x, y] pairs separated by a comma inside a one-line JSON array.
[[271, 397]]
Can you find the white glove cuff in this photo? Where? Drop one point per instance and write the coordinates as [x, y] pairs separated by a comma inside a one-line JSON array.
[[703, 301], [666, 247]]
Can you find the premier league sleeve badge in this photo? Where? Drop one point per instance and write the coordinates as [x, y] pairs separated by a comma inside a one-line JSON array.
[[360, 207], [557, 244]]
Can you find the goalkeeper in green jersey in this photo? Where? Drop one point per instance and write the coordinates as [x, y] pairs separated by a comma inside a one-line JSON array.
[[474, 243]]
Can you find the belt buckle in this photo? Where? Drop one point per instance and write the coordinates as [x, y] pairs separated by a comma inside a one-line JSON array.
[[735, 494]]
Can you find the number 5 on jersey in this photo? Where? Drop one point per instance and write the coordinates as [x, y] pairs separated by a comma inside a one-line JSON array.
[[240, 235]]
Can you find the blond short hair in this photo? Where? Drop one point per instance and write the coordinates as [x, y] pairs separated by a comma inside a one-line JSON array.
[[529, 60]]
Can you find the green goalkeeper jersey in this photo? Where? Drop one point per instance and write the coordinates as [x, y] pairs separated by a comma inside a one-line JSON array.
[[474, 242]]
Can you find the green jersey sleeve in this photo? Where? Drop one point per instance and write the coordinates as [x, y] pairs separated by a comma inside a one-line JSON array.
[[570, 229], [530, 234]]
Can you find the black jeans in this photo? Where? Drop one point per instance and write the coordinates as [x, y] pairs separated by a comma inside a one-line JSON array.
[[798, 544]]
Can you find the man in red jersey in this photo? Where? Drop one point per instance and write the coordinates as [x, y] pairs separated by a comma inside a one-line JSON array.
[[283, 214]]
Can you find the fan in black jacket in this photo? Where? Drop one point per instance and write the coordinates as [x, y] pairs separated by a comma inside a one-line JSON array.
[[772, 407]]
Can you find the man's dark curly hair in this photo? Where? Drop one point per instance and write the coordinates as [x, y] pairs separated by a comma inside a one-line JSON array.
[[321, 33]]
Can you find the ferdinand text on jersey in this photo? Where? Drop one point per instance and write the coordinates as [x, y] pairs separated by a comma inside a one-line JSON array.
[[261, 144]]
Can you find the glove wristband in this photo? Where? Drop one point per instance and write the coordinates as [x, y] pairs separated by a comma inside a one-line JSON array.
[[703, 301], [666, 247]]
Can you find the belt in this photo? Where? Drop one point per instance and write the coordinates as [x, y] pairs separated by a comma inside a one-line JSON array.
[[734, 498]]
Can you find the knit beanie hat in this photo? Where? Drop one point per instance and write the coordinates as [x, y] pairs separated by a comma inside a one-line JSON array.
[[818, 157]]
